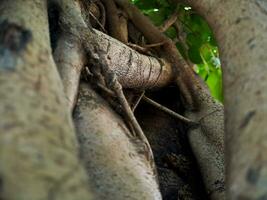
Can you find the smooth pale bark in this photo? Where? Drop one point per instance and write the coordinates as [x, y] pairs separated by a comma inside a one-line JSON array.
[[69, 54], [115, 161], [70, 59], [240, 28], [38, 155]]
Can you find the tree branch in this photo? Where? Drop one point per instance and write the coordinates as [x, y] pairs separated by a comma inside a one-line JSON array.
[[133, 69], [185, 78], [169, 22], [168, 111], [117, 24]]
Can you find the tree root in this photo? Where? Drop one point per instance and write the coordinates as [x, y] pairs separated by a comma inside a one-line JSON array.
[[115, 161], [207, 140], [70, 59], [138, 142]]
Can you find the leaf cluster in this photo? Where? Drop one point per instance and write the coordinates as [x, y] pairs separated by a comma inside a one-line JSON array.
[[194, 39]]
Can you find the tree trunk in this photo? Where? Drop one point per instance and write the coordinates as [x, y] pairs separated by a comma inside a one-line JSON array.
[[38, 148], [240, 28]]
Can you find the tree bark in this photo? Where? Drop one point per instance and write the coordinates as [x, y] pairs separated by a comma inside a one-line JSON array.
[[115, 160], [207, 140], [133, 69], [240, 29], [128, 174], [38, 155], [70, 59]]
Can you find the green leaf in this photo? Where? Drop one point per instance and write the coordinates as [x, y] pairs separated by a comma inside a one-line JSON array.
[[171, 33], [214, 82], [194, 55], [200, 46]]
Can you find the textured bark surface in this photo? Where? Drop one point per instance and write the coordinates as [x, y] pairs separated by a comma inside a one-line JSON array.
[[38, 157], [240, 28], [207, 140], [183, 73], [115, 161], [129, 175], [133, 69]]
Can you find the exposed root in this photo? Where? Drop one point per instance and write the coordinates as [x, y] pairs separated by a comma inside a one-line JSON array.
[[115, 86]]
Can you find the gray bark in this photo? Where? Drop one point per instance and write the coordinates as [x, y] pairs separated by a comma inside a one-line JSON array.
[[115, 160], [240, 28], [38, 148]]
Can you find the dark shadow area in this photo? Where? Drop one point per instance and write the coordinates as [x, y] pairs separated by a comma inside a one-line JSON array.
[[179, 176]]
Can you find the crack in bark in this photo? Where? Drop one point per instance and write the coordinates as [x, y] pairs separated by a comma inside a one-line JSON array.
[[247, 119], [150, 70], [108, 47], [129, 63], [161, 69]]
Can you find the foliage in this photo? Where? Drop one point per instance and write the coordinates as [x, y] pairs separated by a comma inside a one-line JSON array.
[[196, 42]]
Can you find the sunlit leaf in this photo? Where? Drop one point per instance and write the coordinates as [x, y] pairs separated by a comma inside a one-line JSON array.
[[201, 47]]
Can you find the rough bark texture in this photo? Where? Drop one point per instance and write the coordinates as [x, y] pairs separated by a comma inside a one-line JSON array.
[[133, 69], [38, 157], [183, 73], [240, 28], [208, 139], [207, 142], [115, 161]]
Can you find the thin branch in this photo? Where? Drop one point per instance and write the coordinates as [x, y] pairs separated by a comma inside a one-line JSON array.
[[98, 22], [113, 83], [144, 49], [102, 11], [168, 111], [106, 90], [169, 22], [154, 45], [138, 101]]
